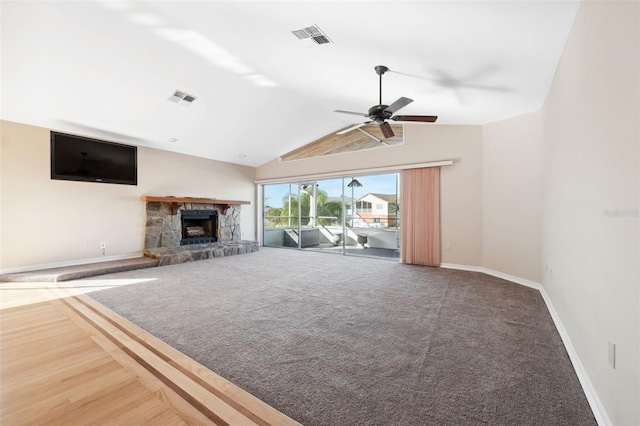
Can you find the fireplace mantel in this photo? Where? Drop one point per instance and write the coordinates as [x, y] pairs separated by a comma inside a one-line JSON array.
[[176, 201]]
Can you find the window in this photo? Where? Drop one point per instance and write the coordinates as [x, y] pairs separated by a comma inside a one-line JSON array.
[[333, 215]]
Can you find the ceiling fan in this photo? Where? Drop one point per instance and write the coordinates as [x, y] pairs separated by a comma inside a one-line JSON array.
[[381, 113]]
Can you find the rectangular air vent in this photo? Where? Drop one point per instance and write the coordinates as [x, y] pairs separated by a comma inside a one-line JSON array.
[[314, 33], [182, 98], [301, 34], [321, 39]]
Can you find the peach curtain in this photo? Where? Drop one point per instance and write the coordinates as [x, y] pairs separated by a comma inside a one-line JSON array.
[[420, 216]]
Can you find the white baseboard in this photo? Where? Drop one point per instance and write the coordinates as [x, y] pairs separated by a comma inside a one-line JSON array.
[[70, 263], [493, 273], [592, 397], [462, 267], [594, 402]]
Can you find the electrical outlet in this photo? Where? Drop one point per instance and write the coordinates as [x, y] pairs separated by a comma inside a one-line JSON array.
[[447, 246], [612, 355], [103, 245]]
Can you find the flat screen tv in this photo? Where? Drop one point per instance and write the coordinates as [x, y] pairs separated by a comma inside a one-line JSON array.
[[92, 160]]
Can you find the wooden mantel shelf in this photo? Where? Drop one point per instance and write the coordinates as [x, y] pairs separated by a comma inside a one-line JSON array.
[[176, 201]]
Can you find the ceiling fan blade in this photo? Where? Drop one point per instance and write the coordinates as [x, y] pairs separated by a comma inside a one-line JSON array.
[[400, 103], [361, 114], [415, 76], [420, 118], [386, 130], [348, 129]]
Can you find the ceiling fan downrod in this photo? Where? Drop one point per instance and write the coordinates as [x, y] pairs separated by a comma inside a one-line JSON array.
[[380, 70]]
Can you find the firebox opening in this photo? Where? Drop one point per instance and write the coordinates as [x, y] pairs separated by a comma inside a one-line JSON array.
[[199, 226]]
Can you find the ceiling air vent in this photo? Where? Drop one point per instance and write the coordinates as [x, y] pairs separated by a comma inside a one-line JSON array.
[[314, 33], [182, 98]]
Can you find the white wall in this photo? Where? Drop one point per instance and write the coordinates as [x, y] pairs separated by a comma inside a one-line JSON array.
[[45, 221], [512, 196], [461, 183], [590, 167]]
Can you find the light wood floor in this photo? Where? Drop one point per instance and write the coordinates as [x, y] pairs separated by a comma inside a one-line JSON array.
[[68, 360]]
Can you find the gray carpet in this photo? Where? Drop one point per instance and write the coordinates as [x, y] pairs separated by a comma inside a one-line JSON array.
[[338, 340]]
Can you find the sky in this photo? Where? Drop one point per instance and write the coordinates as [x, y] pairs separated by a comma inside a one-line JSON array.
[[378, 184]]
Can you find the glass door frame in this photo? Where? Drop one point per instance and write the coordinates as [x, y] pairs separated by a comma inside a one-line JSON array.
[[313, 215]]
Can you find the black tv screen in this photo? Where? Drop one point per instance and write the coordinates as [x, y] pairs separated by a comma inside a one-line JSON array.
[[92, 160]]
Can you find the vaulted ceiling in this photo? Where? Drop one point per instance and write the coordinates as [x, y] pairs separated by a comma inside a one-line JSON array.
[[107, 68], [368, 136]]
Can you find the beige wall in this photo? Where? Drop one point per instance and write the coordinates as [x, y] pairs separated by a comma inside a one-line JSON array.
[[512, 198], [590, 168], [50, 221], [461, 183]]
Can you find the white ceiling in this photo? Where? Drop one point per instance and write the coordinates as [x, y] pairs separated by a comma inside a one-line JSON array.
[[107, 68]]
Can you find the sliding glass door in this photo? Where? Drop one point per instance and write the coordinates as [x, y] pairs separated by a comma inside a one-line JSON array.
[[326, 214], [280, 214], [354, 215], [372, 214]]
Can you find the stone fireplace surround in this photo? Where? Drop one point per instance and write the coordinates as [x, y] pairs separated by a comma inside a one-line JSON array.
[[163, 230]]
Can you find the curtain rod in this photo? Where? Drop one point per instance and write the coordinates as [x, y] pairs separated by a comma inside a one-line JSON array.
[[357, 171]]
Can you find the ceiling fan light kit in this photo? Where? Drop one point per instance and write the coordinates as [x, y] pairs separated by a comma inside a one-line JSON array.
[[381, 113]]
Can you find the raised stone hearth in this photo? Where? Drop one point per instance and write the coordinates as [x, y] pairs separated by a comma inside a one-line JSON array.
[[190, 253], [167, 241]]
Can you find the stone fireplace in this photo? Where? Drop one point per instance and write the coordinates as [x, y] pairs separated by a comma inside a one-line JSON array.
[[185, 229]]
